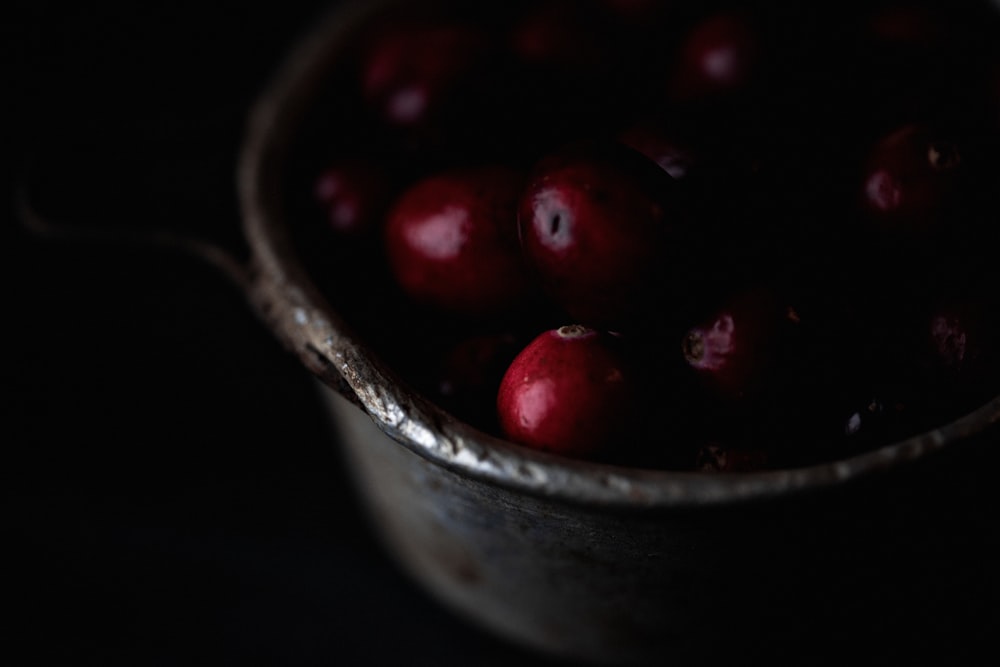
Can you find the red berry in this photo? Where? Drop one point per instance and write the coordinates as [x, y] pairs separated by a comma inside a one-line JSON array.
[[903, 25], [596, 224], [411, 71], [352, 195], [558, 33], [957, 345], [720, 57], [470, 372], [736, 349], [911, 178], [569, 391], [451, 241]]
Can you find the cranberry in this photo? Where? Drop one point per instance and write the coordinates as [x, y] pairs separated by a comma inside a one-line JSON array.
[[451, 242], [558, 33], [905, 26], [469, 375], [720, 57], [352, 195], [736, 349], [911, 178], [596, 222], [566, 76], [572, 391], [809, 243], [413, 71], [922, 59], [956, 347], [928, 363]]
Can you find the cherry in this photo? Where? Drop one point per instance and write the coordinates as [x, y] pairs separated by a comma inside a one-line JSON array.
[[352, 195], [451, 242], [571, 391], [596, 223]]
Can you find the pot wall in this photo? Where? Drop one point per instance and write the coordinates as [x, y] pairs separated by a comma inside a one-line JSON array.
[[843, 565]]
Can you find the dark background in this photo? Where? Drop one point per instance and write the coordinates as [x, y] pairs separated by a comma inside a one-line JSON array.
[[172, 493]]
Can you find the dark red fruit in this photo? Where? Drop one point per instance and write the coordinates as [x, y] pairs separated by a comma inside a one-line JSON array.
[[905, 26], [958, 347], [411, 71], [719, 58], [558, 33], [570, 391], [597, 224], [736, 349], [353, 196], [931, 364], [470, 372], [912, 178], [451, 242]]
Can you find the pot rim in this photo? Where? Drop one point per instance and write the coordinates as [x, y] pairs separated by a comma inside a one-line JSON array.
[[300, 316]]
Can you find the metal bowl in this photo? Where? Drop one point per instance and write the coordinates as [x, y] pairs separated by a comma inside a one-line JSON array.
[[613, 564]]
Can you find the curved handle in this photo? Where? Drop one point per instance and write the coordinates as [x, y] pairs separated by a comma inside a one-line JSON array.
[[262, 294], [212, 254]]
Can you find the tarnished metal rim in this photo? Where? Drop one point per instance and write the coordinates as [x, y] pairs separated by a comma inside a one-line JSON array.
[[300, 316]]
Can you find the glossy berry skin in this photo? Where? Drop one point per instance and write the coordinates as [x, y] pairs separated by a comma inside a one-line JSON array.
[[352, 195], [569, 391], [736, 349], [410, 73], [911, 178], [596, 224], [451, 242], [720, 58]]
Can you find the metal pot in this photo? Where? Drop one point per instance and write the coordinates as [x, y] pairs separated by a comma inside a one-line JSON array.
[[611, 564]]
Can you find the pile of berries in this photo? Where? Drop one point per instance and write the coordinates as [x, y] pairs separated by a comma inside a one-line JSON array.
[[694, 236]]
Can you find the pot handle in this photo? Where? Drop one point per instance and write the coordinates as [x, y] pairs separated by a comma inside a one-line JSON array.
[[264, 296], [213, 254]]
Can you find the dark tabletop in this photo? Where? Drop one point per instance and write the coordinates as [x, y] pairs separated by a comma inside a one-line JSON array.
[[172, 492]]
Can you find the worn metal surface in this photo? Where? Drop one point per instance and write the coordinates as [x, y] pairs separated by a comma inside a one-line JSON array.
[[576, 558]]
